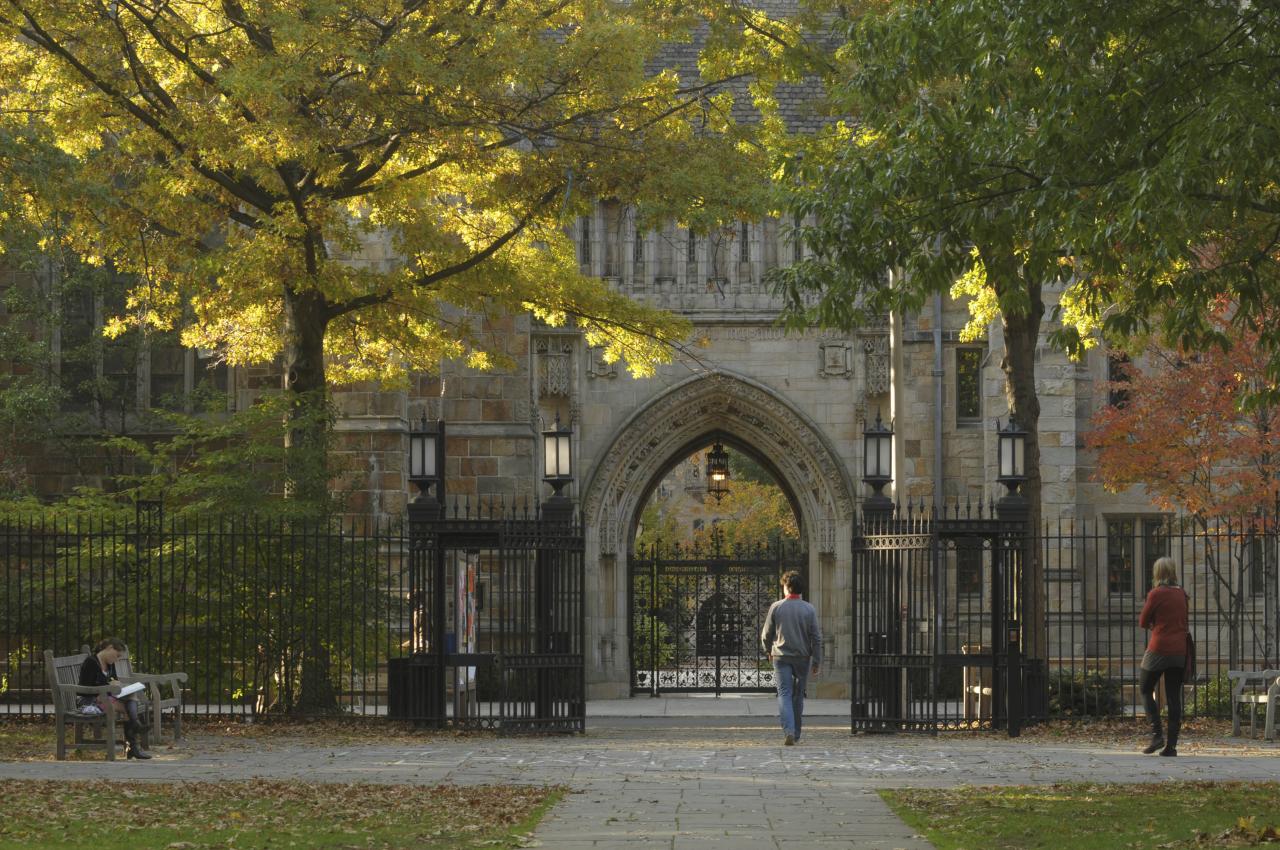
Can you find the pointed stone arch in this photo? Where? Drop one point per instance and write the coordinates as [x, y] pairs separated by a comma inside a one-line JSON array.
[[643, 448], [666, 429]]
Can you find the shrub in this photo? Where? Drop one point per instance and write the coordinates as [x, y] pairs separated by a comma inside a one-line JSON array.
[[1212, 698], [1086, 693], [644, 643]]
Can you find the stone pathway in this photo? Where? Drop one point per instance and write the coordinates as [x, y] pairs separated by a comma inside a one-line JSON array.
[[692, 782]]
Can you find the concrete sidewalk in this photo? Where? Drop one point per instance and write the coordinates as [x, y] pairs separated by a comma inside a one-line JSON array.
[[708, 705], [692, 778]]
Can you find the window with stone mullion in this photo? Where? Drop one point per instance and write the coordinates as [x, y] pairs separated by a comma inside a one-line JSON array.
[[969, 386]]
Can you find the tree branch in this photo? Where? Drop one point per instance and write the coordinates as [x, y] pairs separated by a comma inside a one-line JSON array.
[[459, 267]]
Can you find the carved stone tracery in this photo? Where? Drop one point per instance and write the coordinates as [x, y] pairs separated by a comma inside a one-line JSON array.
[[555, 362], [876, 350]]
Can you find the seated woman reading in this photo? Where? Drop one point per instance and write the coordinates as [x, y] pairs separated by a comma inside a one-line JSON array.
[[100, 669]]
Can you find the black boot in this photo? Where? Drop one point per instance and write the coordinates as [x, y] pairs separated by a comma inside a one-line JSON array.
[[1157, 734], [135, 750], [1171, 746]]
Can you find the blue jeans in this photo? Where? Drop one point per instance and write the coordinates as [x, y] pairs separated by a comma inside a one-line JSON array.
[[791, 673]]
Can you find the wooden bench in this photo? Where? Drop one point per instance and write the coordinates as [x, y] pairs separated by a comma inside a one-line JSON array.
[[976, 685], [64, 677], [164, 693], [1254, 689]]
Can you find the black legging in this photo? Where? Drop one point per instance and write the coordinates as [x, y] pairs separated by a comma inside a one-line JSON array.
[[1172, 693], [131, 709]]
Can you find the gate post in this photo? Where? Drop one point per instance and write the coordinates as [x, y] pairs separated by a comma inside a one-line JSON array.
[[1014, 513], [424, 699], [1015, 679]]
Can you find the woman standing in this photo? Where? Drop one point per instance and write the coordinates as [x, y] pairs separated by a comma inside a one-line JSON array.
[[1165, 614], [100, 669]]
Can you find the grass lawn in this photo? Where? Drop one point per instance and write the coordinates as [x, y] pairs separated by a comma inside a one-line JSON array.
[[1084, 816], [264, 814]]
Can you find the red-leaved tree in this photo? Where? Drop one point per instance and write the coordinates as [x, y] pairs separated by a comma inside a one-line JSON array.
[[1194, 433]]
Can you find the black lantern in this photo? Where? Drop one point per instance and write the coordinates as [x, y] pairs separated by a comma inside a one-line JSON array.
[[717, 471], [426, 459], [557, 453], [877, 463], [1012, 455]]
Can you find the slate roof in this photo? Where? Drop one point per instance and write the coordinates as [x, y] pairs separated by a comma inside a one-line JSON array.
[[796, 101]]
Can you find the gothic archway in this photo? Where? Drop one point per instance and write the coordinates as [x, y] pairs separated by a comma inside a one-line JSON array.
[[803, 458], [745, 413]]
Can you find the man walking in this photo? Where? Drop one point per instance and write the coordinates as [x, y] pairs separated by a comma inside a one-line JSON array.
[[793, 639]]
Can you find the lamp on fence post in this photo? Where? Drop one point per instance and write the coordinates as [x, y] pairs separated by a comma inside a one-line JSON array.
[[1012, 471], [1025, 678], [877, 468], [426, 466], [557, 452], [416, 685]]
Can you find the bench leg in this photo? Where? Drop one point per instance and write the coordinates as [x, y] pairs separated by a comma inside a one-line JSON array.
[[60, 729], [1235, 719], [1269, 728]]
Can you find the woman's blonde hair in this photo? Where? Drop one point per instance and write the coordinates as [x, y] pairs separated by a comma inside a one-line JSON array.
[[1165, 571]]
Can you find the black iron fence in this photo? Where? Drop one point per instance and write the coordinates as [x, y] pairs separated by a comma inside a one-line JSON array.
[[309, 617], [480, 622], [1097, 574], [951, 630], [939, 620]]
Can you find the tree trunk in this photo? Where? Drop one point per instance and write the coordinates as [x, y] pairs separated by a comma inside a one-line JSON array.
[[1021, 337], [306, 453], [304, 382]]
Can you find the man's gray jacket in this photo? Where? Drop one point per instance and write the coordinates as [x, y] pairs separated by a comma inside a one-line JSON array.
[[791, 630]]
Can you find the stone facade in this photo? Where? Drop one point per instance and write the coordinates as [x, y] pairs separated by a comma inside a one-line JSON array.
[[797, 402]]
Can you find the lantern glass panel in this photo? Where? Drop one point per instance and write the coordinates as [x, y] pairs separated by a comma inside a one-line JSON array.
[[422, 456], [1019, 455], [552, 457], [563, 463], [886, 455]]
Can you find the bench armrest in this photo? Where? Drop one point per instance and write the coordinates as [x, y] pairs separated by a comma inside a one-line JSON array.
[[159, 678], [88, 690], [1241, 679]]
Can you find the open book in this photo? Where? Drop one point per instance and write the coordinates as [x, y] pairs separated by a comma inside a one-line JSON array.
[[130, 690]]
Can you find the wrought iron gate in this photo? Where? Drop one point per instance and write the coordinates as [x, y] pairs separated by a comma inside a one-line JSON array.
[[696, 615], [937, 623], [497, 602]]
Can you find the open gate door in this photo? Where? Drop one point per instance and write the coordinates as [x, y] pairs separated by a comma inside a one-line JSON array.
[[936, 623]]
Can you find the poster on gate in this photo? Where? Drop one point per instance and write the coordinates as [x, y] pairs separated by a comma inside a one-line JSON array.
[[465, 624]]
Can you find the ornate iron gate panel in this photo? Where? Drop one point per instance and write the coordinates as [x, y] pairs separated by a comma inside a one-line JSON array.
[[936, 623], [696, 616]]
